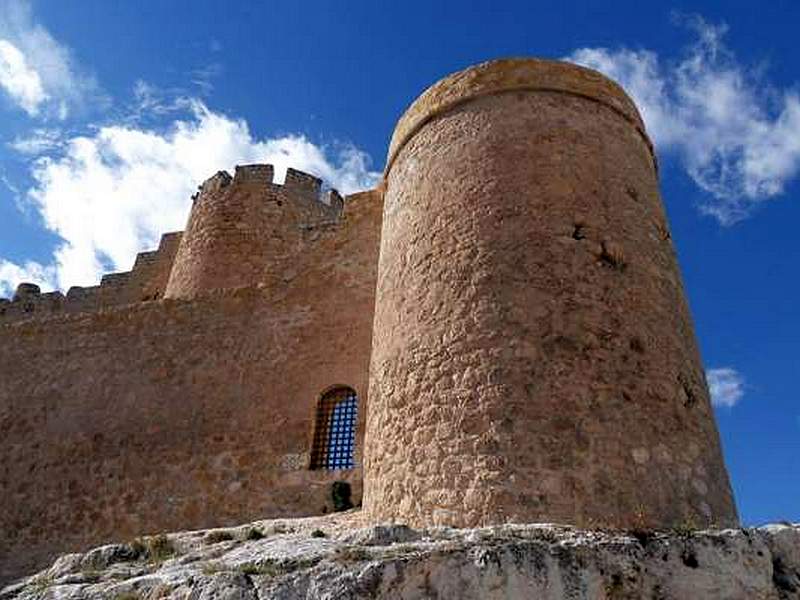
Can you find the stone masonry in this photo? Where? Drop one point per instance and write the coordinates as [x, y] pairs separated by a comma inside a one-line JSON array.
[[509, 294], [124, 413], [533, 355]]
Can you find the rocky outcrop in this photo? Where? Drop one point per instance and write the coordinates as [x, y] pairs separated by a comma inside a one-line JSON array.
[[335, 557]]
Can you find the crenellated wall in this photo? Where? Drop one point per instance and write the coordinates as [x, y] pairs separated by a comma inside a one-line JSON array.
[[125, 419], [243, 231], [247, 230], [146, 281]]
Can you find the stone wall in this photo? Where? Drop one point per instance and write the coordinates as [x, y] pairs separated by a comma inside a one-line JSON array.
[[146, 281], [533, 354], [245, 230], [180, 414]]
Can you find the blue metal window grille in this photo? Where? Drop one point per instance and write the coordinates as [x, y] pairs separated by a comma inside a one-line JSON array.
[[335, 431]]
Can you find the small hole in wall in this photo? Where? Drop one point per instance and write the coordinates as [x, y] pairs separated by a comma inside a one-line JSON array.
[[578, 232], [611, 256], [341, 495], [280, 202], [689, 559], [689, 397], [663, 232], [637, 345]]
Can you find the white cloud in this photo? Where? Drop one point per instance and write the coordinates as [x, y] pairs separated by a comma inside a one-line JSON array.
[[37, 141], [203, 78], [112, 194], [22, 84], [9, 184], [31, 272], [38, 73], [737, 136], [726, 386], [150, 101]]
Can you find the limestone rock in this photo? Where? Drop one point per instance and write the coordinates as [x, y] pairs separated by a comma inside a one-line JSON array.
[[333, 557]]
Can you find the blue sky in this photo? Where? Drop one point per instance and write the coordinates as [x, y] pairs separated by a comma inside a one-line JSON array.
[[111, 114]]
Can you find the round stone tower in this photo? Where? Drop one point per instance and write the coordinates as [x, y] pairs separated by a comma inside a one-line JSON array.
[[246, 230], [533, 354]]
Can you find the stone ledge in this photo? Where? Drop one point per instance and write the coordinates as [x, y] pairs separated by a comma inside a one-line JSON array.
[[337, 557]]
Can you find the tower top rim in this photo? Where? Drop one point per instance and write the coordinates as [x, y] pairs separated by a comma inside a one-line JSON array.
[[508, 75]]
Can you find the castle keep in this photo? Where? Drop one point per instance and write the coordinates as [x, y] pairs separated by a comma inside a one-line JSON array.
[[497, 333]]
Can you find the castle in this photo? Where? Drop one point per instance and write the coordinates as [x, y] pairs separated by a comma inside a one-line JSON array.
[[497, 333]]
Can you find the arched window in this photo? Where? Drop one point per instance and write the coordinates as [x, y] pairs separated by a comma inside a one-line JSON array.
[[335, 430]]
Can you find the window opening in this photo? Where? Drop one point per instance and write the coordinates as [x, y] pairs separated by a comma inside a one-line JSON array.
[[335, 430]]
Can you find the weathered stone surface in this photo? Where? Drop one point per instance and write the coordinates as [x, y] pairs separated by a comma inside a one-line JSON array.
[[336, 558], [174, 414], [533, 356], [146, 281], [246, 230], [511, 75]]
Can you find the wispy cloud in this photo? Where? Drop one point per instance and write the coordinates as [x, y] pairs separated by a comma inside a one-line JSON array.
[[112, 193], [152, 101], [38, 141], [17, 79], [9, 184], [203, 78], [726, 386], [37, 73], [737, 135]]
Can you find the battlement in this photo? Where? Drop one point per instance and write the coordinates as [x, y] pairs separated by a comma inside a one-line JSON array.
[[302, 183], [298, 186], [218, 181], [246, 229], [257, 173], [263, 211], [27, 300], [145, 281]]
